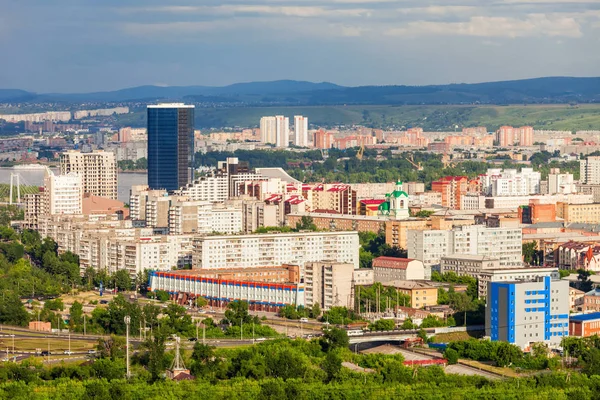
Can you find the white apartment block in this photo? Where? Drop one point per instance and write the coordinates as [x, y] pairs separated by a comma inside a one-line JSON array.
[[268, 130], [472, 202], [300, 131], [63, 194], [589, 170], [209, 188], [106, 243], [282, 131], [98, 171], [328, 284], [247, 251], [430, 246], [560, 183], [509, 182]]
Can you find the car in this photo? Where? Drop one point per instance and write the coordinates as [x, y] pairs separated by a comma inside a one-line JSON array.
[[103, 301], [45, 353], [68, 352], [303, 319], [91, 351], [193, 339]]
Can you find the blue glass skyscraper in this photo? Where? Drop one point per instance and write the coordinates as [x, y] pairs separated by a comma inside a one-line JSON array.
[[170, 145]]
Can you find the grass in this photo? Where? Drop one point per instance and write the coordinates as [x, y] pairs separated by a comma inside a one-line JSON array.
[[56, 345], [507, 372], [456, 336], [429, 117]]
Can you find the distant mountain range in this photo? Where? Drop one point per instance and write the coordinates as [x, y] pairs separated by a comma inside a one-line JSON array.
[[289, 92]]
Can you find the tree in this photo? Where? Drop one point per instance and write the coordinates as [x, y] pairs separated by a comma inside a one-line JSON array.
[[12, 311], [334, 338], [332, 365], [203, 358], [315, 310], [237, 312], [507, 354], [383, 325], [156, 352], [461, 302], [112, 347], [591, 362], [306, 223], [529, 251], [583, 280], [407, 324], [451, 356], [122, 280], [76, 317]]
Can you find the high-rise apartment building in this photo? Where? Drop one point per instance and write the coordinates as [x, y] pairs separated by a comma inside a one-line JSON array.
[[63, 194], [268, 130], [505, 136], [328, 284], [322, 139], [282, 126], [589, 170], [524, 135], [300, 131], [98, 171], [170, 145]]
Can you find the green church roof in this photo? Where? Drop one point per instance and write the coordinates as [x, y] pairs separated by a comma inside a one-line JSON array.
[[398, 193]]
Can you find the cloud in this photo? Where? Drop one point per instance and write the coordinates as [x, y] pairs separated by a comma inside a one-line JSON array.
[[534, 25]]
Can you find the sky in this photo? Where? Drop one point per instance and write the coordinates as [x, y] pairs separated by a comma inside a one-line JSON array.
[[83, 46]]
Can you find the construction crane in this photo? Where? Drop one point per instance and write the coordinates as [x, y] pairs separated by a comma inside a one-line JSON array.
[[361, 152], [411, 160]]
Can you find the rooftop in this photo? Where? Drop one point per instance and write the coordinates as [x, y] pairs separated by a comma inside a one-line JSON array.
[[399, 284], [585, 317]]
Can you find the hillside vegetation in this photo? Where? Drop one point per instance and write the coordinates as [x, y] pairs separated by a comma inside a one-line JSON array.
[[429, 117]]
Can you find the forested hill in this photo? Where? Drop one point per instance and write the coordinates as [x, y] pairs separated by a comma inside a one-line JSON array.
[[547, 90]]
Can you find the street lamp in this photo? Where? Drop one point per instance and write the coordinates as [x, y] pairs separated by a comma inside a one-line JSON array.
[[127, 322]]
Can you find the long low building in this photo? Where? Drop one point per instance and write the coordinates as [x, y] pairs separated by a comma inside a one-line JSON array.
[[260, 296]]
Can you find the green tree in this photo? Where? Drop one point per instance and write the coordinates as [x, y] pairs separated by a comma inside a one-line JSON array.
[[332, 365], [461, 302], [111, 348], [507, 354], [12, 311], [451, 356], [529, 251], [237, 312], [583, 280], [76, 317], [203, 359], [315, 310], [122, 280], [383, 325], [306, 223], [334, 338], [157, 362]]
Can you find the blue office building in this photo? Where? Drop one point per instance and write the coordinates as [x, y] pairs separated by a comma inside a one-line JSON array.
[[526, 312], [170, 145]]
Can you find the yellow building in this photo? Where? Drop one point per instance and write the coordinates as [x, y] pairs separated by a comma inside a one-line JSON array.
[[582, 213], [421, 294]]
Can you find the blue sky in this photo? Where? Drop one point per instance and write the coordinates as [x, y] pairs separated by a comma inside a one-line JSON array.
[[79, 46]]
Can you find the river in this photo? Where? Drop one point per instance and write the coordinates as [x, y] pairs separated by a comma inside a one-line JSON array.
[[36, 177]]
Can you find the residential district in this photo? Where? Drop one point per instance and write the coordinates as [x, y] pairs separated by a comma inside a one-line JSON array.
[[522, 243]]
